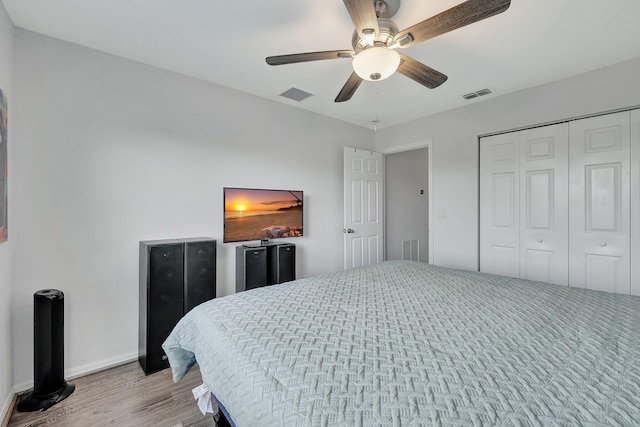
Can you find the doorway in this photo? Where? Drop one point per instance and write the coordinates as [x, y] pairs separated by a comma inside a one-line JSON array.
[[407, 205]]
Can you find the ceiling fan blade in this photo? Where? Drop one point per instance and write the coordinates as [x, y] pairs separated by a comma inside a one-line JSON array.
[[364, 17], [457, 17], [309, 56], [419, 72], [349, 88]]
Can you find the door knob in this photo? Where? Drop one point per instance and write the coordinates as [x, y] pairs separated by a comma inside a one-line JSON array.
[[539, 240], [603, 244], [349, 230]]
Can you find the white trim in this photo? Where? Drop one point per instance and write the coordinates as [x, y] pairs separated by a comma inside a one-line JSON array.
[[555, 122], [4, 414], [635, 201], [89, 368], [406, 147], [428, 144]]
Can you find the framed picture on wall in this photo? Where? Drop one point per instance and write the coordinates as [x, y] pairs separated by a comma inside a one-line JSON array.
[[4, 172]]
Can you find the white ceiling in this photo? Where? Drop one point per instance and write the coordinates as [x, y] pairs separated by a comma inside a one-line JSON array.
[[533, 42]]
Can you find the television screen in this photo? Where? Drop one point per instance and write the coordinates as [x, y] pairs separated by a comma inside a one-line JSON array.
[[256, 214]]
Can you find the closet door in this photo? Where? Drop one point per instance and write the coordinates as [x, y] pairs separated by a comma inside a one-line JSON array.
[[544, 204], [499, 205], [599, 203]]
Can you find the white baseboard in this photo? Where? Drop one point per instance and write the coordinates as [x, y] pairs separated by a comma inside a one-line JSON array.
[[87, 369], [4, 414], [100, 365]]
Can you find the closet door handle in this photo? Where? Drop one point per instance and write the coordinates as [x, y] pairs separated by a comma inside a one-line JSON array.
[[539, 240], [603, 244]]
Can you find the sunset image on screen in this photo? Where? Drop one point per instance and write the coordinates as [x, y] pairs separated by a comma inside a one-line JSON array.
[[251, 214]]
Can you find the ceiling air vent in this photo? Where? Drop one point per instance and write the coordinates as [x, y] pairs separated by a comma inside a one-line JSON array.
[[478, 93], [296, 94]]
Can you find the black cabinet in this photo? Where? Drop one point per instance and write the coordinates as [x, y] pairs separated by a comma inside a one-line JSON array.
[[281, 263], [251, 267], [262, 265], [175, 276]]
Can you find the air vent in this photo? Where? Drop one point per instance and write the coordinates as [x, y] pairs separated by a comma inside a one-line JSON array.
[[296, 94], [478, 93]]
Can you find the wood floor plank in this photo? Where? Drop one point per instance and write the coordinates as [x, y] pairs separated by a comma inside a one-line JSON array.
[[123, 396]]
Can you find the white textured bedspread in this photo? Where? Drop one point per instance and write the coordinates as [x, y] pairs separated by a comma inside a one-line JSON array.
[[409, 344]]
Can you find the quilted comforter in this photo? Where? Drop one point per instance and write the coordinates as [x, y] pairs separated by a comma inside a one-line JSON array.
[[410, 344]]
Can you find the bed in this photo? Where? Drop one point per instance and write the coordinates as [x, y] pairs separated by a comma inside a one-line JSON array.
[[410, 344]]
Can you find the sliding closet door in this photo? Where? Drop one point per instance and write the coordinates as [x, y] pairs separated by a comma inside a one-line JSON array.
[[499, 205], [544, 204], [599, 203]]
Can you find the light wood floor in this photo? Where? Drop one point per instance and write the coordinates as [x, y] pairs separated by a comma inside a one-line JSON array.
[[123, 397]]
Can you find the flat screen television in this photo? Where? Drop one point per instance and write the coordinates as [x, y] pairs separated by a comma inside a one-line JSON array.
[[260, 214]]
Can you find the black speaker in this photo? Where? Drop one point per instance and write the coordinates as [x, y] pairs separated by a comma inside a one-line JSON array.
[[281, 263], [200, 273], [48, 358], [175, 276], [161, 278]]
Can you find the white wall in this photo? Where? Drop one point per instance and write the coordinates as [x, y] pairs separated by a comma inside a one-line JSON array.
[[454, 136], [6, 248], [112, 152]]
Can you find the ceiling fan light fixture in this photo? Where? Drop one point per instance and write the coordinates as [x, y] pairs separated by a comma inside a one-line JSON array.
[[376, 63]]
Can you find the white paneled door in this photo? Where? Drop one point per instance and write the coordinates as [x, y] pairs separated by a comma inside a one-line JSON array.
[[544, 204], [363, 207], [499, 205], [600, 203], [524, 204]]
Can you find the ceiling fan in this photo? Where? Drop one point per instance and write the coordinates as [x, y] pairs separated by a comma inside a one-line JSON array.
[[376, 38]]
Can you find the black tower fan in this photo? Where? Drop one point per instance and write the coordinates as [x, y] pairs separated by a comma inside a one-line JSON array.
[[48, 359]]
